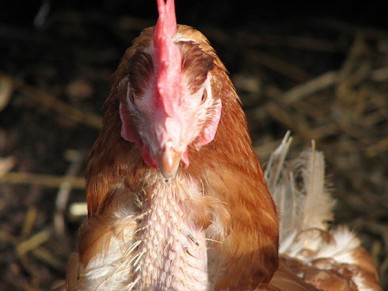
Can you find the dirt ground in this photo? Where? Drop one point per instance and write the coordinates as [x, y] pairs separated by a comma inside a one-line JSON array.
[[319, 70]]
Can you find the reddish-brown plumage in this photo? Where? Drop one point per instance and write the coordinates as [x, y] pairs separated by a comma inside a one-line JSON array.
[[228, 168]]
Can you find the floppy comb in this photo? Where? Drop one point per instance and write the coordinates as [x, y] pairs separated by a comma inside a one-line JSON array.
[[167, 58]]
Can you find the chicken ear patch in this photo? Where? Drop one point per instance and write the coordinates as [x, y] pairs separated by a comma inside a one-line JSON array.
[[209, 131]]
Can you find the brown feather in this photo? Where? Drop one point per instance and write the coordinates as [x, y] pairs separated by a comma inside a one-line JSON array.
[[237, 210], [231, 172]]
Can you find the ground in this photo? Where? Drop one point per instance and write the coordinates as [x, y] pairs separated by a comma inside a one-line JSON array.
[[323, 74]]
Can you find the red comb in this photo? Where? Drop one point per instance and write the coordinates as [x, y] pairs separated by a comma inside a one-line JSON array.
[[166, 57]]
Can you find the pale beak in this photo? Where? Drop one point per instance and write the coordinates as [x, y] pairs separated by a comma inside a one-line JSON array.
[[168, 161]]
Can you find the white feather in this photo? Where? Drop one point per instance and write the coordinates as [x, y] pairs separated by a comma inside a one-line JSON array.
[[305, 206]]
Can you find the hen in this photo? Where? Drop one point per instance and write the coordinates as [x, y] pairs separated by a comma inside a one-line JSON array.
[[176, 196]]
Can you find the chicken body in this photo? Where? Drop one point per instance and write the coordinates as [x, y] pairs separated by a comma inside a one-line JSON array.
[[212, 226]]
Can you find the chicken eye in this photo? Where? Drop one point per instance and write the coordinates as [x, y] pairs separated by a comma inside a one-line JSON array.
[[131, 100], [204, 97], [131, 97]]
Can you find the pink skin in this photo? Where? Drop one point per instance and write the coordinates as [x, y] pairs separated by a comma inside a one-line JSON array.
[[157, 131], [168, 116]]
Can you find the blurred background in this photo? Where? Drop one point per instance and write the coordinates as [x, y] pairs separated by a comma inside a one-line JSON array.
[[319, 69]]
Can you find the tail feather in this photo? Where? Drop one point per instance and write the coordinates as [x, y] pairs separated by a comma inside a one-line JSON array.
[[318, 204], [299, 190], [305, 207]]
